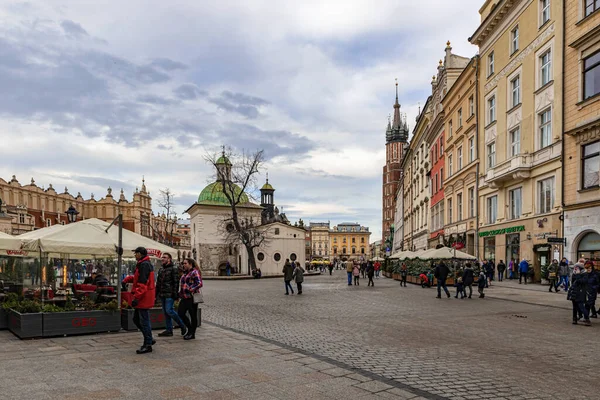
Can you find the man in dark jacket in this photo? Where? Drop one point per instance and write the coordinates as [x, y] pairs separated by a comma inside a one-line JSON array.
[[288, 275], [501, 268], [468, 278], [167, 287], [441, 274], [143, 297], [592, 289], [577, 294]]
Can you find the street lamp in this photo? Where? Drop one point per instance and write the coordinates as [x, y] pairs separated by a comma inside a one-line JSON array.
[[72, 214]]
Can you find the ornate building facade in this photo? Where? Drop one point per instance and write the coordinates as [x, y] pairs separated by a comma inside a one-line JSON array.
[[319, 233], [350, 241]]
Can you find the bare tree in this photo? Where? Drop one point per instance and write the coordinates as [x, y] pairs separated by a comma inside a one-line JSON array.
[[237, 176], [165, 202]]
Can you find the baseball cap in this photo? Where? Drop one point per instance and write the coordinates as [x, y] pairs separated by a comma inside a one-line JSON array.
[[141, 250]]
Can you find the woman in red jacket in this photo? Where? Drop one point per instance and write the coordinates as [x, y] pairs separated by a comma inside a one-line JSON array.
[[190, 283]]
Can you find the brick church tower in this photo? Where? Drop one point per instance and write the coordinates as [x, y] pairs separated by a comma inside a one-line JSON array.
[[396, 137]]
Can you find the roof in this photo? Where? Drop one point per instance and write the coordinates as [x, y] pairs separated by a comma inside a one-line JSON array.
[[267, 186], [213, 194], [223, 160]]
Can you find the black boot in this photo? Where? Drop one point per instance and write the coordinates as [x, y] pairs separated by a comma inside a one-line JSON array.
[[189, 336], [144, 350], [165, 334]]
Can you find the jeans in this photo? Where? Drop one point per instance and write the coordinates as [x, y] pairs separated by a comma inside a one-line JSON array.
[[470, 290], [188, 306], [403, 277], [170, 314], [565, 280], [288, 285], [349, 278], [299, 285], [370, 283], [356, 280], [442, 284], [376, 273], [141, 319], [500, 276], [228, 272], [523, 275], [579, 308]]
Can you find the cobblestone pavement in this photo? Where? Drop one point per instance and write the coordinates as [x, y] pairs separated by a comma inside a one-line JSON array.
[[509, 345], [219, 364]]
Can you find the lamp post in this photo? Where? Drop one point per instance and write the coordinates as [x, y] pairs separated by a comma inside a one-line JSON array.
[[72, 214]]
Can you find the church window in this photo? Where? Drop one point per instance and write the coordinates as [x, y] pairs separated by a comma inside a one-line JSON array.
[[260, 256], [277, 257], [277, 231], [293, 257], [229, 228]]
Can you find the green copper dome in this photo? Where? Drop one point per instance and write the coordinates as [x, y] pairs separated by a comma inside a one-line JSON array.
[[223, 160], [213, 194], [267, 186]]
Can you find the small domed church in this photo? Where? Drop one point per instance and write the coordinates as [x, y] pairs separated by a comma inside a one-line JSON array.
[[210, 246]]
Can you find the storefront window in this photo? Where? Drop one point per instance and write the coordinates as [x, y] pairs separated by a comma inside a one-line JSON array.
[[489, 248], [513, 248], [589, 248]]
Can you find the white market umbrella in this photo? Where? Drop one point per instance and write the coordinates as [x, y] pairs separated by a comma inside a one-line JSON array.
[[445, 253], [9, 245], [377, 259], [403, 255]]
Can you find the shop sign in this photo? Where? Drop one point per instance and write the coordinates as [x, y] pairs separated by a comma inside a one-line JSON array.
[[458, 245], [512, 229], [154, 253]]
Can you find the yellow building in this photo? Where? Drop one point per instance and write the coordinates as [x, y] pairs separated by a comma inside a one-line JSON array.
[[520, 144], [460, 190], [350, 241], [582, 130]]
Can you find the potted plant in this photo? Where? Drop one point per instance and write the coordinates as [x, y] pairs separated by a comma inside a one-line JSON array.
[[10, 302], [25, 319], [88, 319]]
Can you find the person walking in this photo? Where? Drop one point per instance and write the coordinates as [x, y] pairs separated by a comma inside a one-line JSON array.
[[298, 276], [363, 269], [403, 274], [592, 289], [189, 284], [228, 269], [288, 275], [460, 288], [553, 276], [441, 274], [563, 273], [349, 271], [356, 273], [511, 269], [377, 267], [370, 273], [523, 270], [577, 294], [488, 267], [481, 284], [330, 267], [167, 289], [468, 278], [501, 269], [144, 296]]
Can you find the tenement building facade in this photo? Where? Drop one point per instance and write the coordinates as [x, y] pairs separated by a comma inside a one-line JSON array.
[[350, 241], [520, 46], [460, 119], [319, 232], [582, 130]]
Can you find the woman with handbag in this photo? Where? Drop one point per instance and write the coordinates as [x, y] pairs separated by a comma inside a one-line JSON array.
[[190, 294], [553, 276]]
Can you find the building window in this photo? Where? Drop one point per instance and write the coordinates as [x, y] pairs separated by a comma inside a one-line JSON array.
[[471, 106], [277, 257], [460, 158], [353, 240], [491, 154], [21, 218], [362, 240], [546, 195], [62, 222], [590, 167], [460, 117], [441, 147], [344, 240], [441, 178], [459, 206], [514, 39], [492, 209], [449, 211], [277, 231], [491, 64], [515, 142], [449, 165], [545, 6], [334, 240], [515, 202], [353, 250], [260, 256], [545, 66], [515, 86], [471, 149], [471, 202], [545, 128], [491, 109], [591, 74], [591, 6], [450, 128], [48, 222]]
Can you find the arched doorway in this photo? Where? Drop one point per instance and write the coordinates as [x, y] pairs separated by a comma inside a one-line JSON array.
[[589, 247], [222, 269]]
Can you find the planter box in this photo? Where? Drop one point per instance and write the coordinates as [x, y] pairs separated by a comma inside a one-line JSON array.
[[396, 277], [80, 322], [3, 319], [25, 326], [157, 319]]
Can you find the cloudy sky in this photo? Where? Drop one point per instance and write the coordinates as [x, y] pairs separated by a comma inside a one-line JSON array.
[[100, 93]]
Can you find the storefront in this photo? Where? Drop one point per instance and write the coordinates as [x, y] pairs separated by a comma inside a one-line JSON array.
[[589, 248], [513, 248]]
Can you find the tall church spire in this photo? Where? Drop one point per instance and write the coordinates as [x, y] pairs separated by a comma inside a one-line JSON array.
[[397, 120], [399, 130]]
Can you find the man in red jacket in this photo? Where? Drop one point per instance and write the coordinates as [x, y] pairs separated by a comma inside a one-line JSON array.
[[143, 291]]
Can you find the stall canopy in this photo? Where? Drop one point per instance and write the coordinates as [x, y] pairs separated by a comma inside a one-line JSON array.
[[403, 255], [88, 237], [444, 253], [9, 244], [377, 259]]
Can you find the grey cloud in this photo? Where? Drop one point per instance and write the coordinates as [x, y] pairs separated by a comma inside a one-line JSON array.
[[128, 72], [240, 98], [105, 183], [239, 103], [189, 91], [163, 147], [73, 29], [153, 99], [168, 64], [321, 174], [247, 111]]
